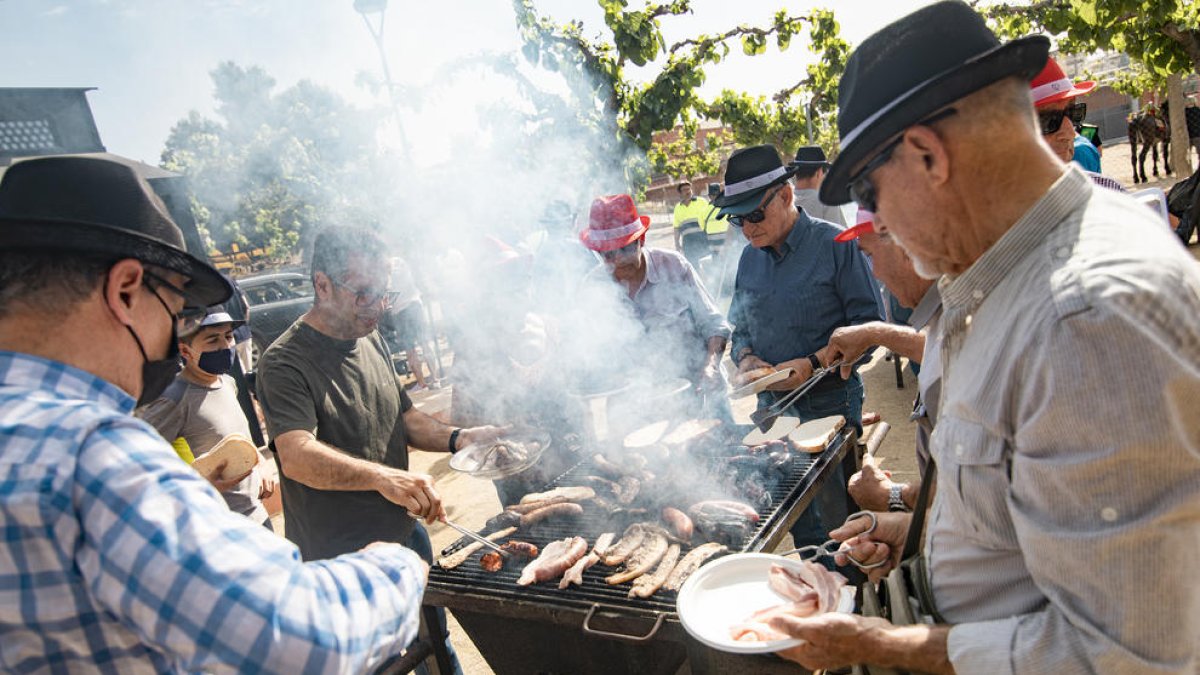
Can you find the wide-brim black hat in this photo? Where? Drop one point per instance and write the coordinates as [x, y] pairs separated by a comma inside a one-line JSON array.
[[811, 157], [749, 173], [98, 206], [912, 68]]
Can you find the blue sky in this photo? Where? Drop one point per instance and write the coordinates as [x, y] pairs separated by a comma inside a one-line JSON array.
[[150, 58]]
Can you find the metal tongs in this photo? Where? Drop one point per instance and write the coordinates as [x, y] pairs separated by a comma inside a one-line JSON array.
[[474, 536], [765, 417], [831, 548]]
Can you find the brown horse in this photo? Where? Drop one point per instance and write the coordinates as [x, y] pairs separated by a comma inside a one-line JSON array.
[[1149, 129]]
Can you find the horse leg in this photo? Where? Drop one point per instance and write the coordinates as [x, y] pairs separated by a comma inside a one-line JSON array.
[[1154, 157], [1142, 161], [1167, 154], [1133, 150]]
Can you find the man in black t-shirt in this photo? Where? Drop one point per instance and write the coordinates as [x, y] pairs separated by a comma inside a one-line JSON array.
[[339, 417]]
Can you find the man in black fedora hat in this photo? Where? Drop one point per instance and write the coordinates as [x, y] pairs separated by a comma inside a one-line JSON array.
[[795, 285], [810, 165], [1067, 451], [117, 556]]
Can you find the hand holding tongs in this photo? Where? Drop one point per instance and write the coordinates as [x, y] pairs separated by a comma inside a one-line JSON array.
[[765, 417], [832, 547]]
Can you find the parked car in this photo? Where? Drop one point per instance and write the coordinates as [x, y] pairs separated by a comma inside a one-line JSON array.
[[276, 301]]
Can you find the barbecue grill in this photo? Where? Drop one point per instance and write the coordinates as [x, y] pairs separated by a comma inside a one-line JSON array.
[[595, 628]]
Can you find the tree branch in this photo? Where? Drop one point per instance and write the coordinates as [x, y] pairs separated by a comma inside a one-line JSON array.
[[733, 32], [1188, 39]]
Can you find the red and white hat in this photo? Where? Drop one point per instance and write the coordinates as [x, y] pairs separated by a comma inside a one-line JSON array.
[[613, 223], [864, 222], [1052, 85]]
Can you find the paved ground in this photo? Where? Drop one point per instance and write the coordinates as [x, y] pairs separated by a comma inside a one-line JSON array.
[[471, 501]]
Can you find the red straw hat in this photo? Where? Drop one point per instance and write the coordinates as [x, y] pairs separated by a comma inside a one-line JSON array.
[[865, 222], [613, 223], [1052, 85]]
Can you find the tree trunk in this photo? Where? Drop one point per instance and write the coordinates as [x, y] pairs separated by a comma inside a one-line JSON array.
[[1180, 145]]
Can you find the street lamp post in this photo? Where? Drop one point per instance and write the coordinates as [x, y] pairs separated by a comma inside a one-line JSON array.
[[378, 9]]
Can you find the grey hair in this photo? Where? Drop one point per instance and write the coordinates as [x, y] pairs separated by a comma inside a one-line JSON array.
[[336, 248], [53, 282]]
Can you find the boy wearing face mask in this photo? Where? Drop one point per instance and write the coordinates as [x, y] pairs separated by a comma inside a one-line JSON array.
[[201, 407]]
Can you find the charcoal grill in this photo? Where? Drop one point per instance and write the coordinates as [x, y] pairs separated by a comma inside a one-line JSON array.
[[595, 628]]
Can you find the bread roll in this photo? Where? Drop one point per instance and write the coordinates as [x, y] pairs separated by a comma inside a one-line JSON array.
[[239, 452], [815, 435]]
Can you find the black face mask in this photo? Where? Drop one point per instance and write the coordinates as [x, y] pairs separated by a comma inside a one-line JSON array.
[[157, 375], [217, 362]]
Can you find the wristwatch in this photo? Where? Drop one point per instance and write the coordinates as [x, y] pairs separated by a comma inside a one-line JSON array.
[[895, 501], [454, 440], [816, 363]]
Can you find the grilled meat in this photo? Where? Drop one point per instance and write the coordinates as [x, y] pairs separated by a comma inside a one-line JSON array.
[[634, 534], [449, 562], [602, 484], [723, 507], [651, 550], [534, 506], [811, 590], [678, 521], [690, 563], [648, 584], [494, 562], [607, 468], [552, 511], [628, 490], [555, 559], [574, 494], [575, 574]]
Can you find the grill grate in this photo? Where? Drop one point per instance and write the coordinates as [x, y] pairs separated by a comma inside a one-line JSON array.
[[502, 585]]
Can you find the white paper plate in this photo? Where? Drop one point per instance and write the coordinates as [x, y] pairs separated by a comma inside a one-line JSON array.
[[761, 383], [726, 591]]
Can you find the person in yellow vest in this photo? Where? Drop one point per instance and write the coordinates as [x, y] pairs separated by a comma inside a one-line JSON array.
[[690, 212]]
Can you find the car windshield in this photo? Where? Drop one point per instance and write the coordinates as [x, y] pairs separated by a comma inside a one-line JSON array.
[[276, 290]]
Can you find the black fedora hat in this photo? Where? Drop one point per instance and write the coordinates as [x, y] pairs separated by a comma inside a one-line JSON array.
[[811, 157], [90, 205], [749, 173], [914, 67]]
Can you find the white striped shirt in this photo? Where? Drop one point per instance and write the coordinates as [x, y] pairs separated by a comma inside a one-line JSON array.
[[1066, 527]]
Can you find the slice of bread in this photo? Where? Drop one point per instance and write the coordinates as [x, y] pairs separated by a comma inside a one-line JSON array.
[[815, 435], [239, 453]]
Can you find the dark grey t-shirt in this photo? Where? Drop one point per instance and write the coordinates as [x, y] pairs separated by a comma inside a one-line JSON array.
[[347, 394]]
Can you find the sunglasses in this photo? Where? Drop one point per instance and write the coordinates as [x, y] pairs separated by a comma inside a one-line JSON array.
[[187, 319], [862, 189], [617, 253], [757, 215], [1051, 121]]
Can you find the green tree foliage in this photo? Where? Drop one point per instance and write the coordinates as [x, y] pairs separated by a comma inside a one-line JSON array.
[[1164, 35], [632, 112], [273, 166]]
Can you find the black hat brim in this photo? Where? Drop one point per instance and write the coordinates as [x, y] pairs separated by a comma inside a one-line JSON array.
[[802, 165], [747, 202], [1024, 57], [205, 286]]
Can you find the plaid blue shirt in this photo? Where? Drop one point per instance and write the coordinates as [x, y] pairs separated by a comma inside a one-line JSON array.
[[118, 558]]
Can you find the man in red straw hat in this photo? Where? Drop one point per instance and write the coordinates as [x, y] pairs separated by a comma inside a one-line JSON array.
[[1059, 117], [668, 297]]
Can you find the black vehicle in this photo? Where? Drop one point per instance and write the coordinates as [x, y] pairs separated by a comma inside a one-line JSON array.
[[276, 301]]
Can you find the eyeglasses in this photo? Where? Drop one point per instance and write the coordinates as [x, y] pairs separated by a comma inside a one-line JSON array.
[[757, 215], [862, 189], [1051, 121], [187, 319], [365, 297]]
